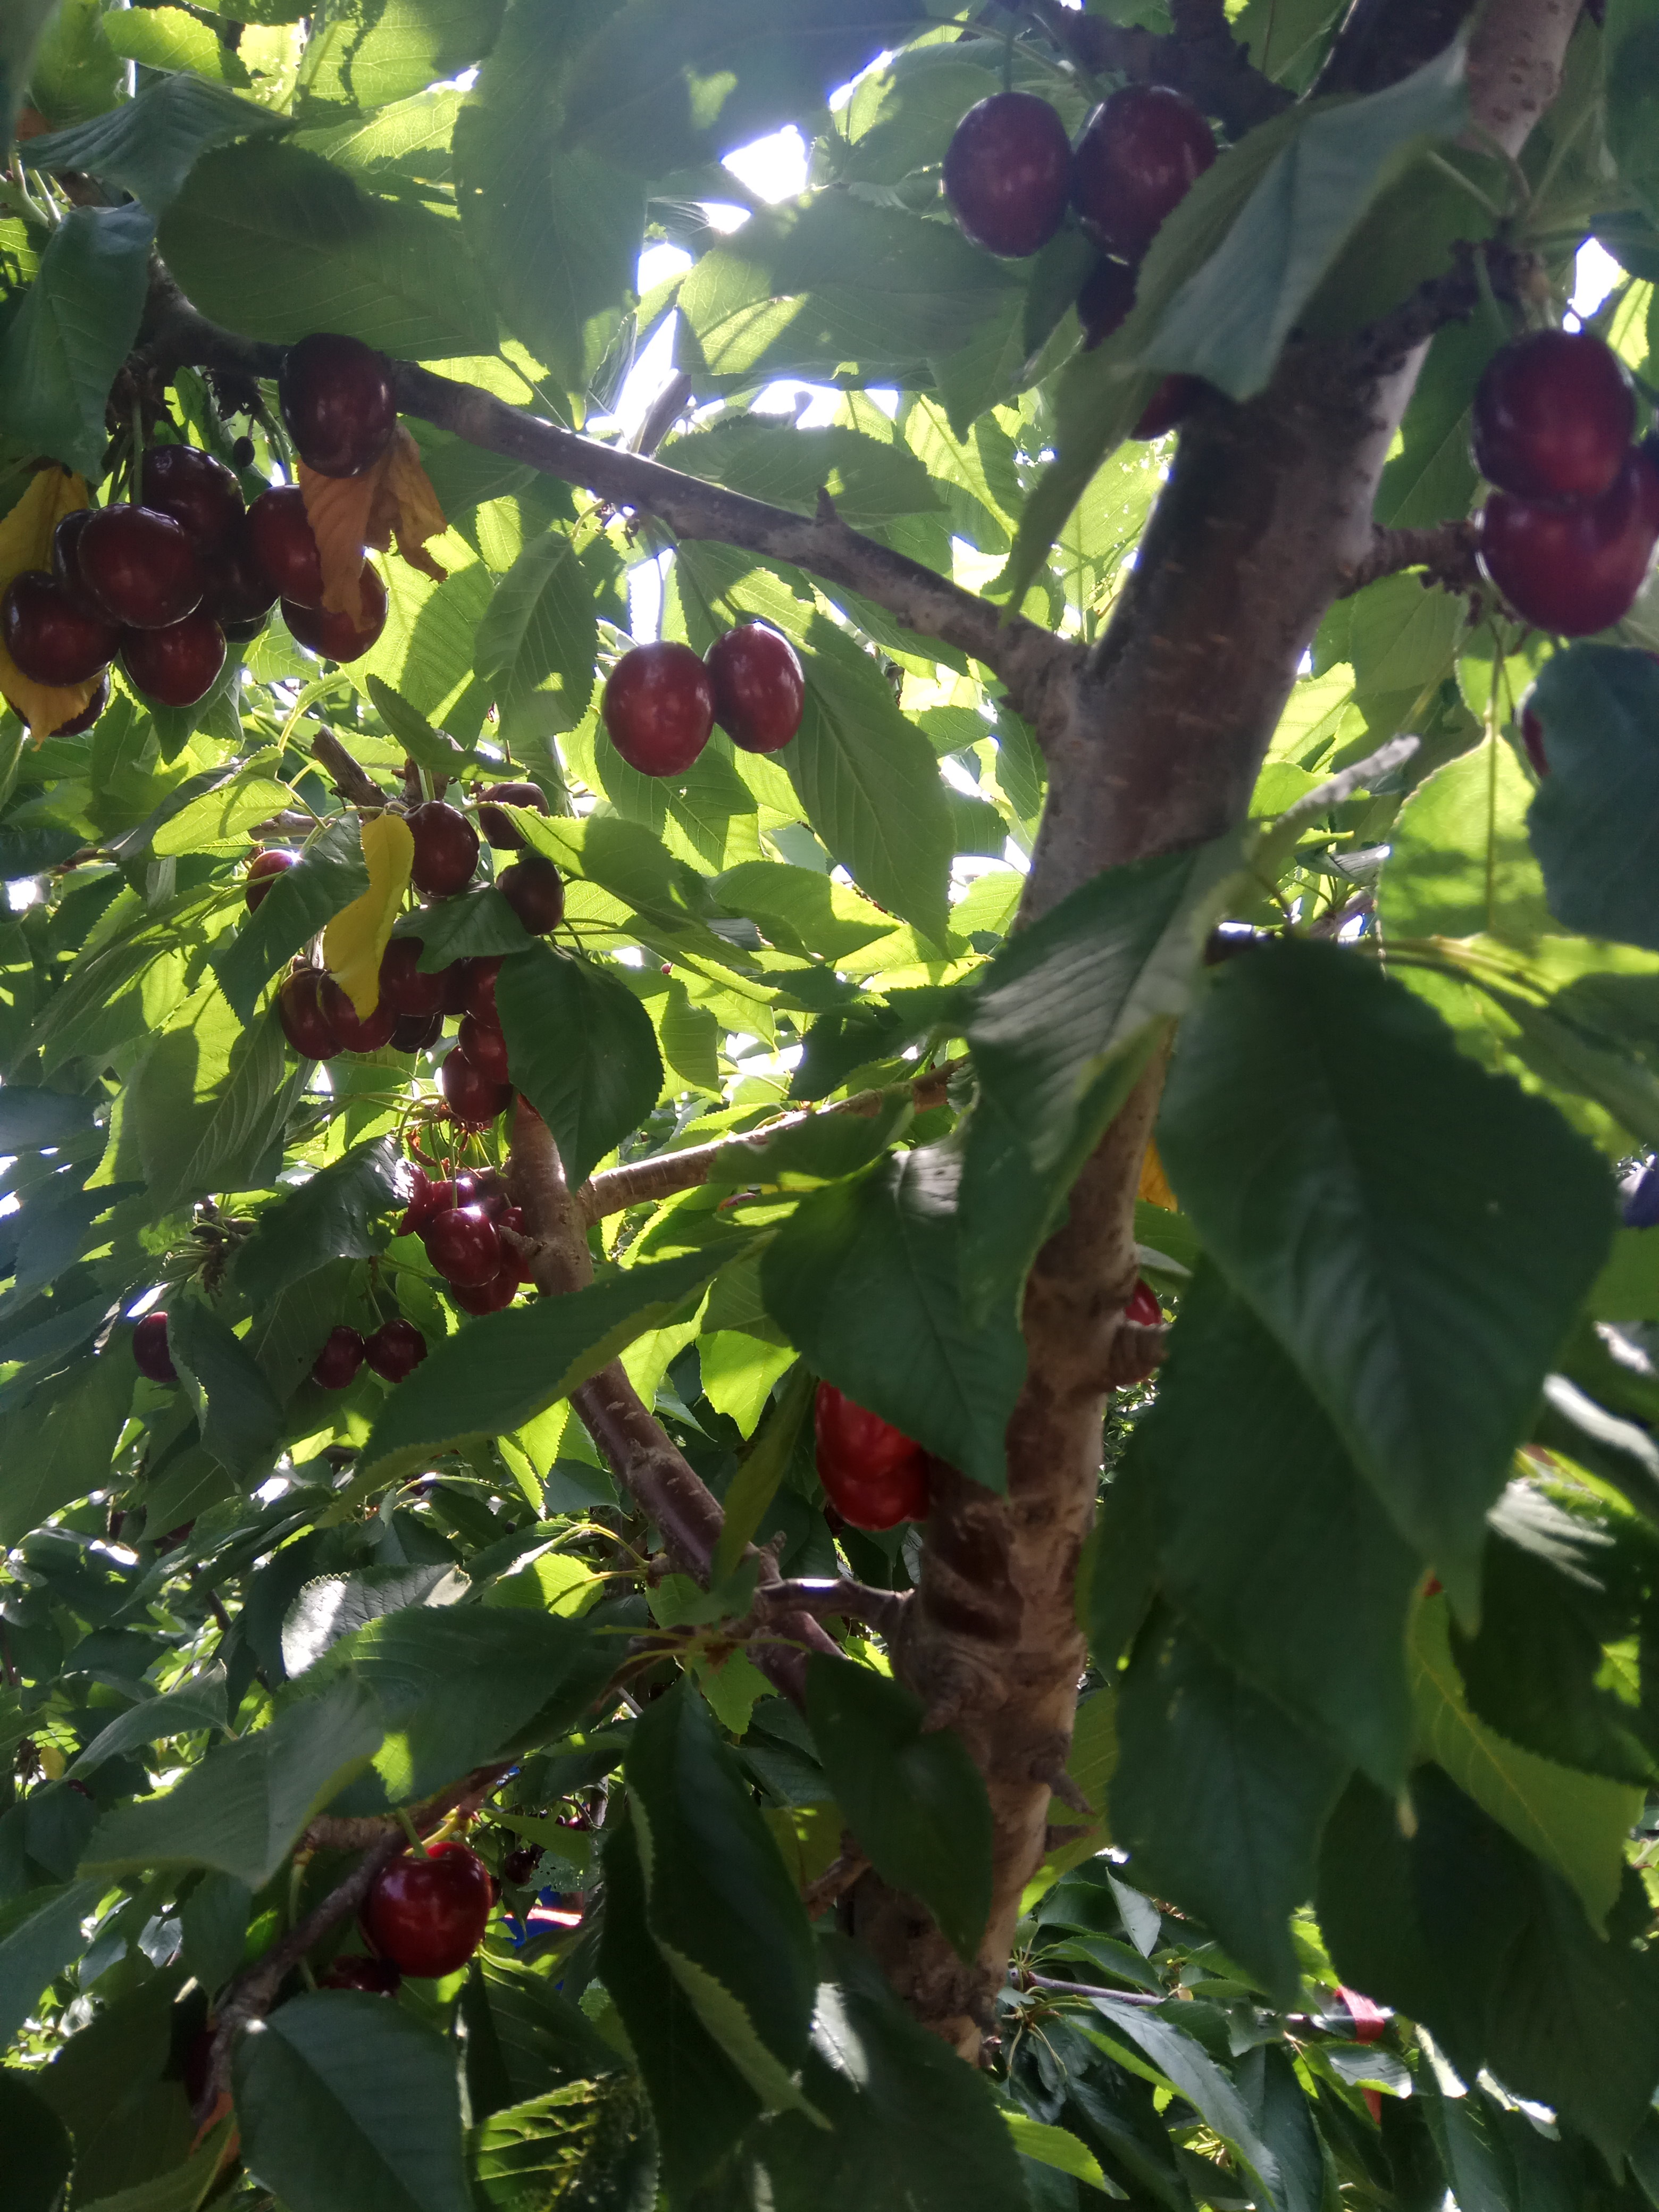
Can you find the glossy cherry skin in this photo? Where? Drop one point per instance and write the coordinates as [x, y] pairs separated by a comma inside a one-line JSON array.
[[237, 589], [1008, 173], [427, 1196], [416, 1032], [498, 830], [376, 1977], [1143, 1309], [446, 850], [427, 1915], [872, 1473], [457, 980], [534, 889], [139, 566], [473, 1098], [149, 1349], [484, 1046], [1574, 569], [395, 1349], [1171, 403], [52, 639], [479, 998], [200, 493], [1103, 304], [300, 1011], [759, 691], [464, 1245], [88, 714], [356, 1034], [1552, 416], [403, 987], [336, 400], [262, 870], [178, 666], [66, 559], [280, 536], [342, 1355], [335, 635], [659, 706], [1140, 153], [487, 1297]]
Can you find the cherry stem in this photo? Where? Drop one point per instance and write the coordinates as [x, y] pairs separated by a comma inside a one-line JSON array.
[[409, 1829]]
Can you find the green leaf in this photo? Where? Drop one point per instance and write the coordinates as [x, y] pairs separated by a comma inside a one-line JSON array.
[[433, 750], [198, 1704], [866, 1280], [183, 2189], [473, 924], [1459, 862], [148, 145], [39, 1934], [1417, 1234], [746, 1502], [241, 1809], [1220, 1798], [503, 1370], [327, 1218], [541, 622], [1184, 2065], [240, 1420], [1599, 706], [1631, 53], [329, 874], [870, 483], [208, 1100], [1234, 1446], [722, 1908], [912, 1796], [590, 2142], [1576, 1822], [582, 1051], [76, 327], [267, 240], [1228, 323], [1055, 2147], [77, 72], [405, 45], [40, 2151], [57, 1446], [33, 1120], [342, 2099]]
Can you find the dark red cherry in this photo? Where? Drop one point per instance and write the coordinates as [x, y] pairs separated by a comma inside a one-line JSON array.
[[479, 998], [336, 400], [487, 1297], [342, 1355], [659, 706], [446, 849], [243, 633], [427, 1915], [335, 635], [356, 1034], [498, 829], [416, 1032], [139, 566], [403, 987], [427, 1197], [1532, 737], [1008, 173], [201, 494], [1552, 416], [66, 559], [457, 980], [396, 1349], [300, 1011], [281, 539], [534, 889], [1103, 304], [463, 1244], [376, 1977], [759, 691], [1171, 403], [88, 714], [149, 1349], [237, 589], [484, 1046], [262, 870], [872, 1473], [178, 666], [52, 639], [1143, 1309], [1574, 569], [473, 1098], [1140, 153]]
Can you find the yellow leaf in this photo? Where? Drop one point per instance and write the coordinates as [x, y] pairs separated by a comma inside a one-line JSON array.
[[1155, 1184], [355, 938], [416, 513], [26, 542], [393, 498]]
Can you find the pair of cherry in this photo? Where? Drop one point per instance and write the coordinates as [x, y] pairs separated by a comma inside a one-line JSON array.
[[661, 702], [394, 1350], [461, 1222]]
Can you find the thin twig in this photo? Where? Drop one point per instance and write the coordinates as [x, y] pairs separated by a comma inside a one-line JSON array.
[[1202, 59], [353, 783], [1447, 551], [842, 1599], [839, 1876]]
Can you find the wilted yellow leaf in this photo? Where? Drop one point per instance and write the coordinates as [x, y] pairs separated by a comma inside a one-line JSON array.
[[355, 938], [348, 514], [1155, 1184], [26, 542]]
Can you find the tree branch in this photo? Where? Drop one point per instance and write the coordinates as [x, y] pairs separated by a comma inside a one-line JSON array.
[[351, 783], [1202, 59], [840, 1600], [1447, 551]]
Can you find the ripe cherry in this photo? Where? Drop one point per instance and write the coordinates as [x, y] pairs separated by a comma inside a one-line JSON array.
[[238, 590], [486, 1047], [342, 1355], [1172, 402], [534, 889], [403, 987], [139, 566], [66, 559], [376, 1977], [280, 535], [478, 999], [474, 1099], [88, 714], [759, 691], [487, 1297], [416, 1032], [1139, 154], [200, 493], [335, 635], [427, 1196], [1143, 1309], [485, 1190], [300, 1011], [336, 400], [178, 666], [872, 1473], [355, 1033], [457, 980], [150, 1351], [1103, 304], [427, 1915], [464, 1245], [395, 1349], [498, 829], [52, 640], [446, 850], [1552, 416], [1008, 173], [659, 706], [1574, 569], [1532, 737], [262, 870]]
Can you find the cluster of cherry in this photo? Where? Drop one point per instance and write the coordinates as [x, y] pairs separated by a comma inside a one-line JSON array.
[[661, 701], [467, 1223], [1011, 173], [1569, 530], [394, 1350]]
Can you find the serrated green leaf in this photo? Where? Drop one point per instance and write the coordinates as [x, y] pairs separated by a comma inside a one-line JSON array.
[[581, 1050], [74, 327]]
